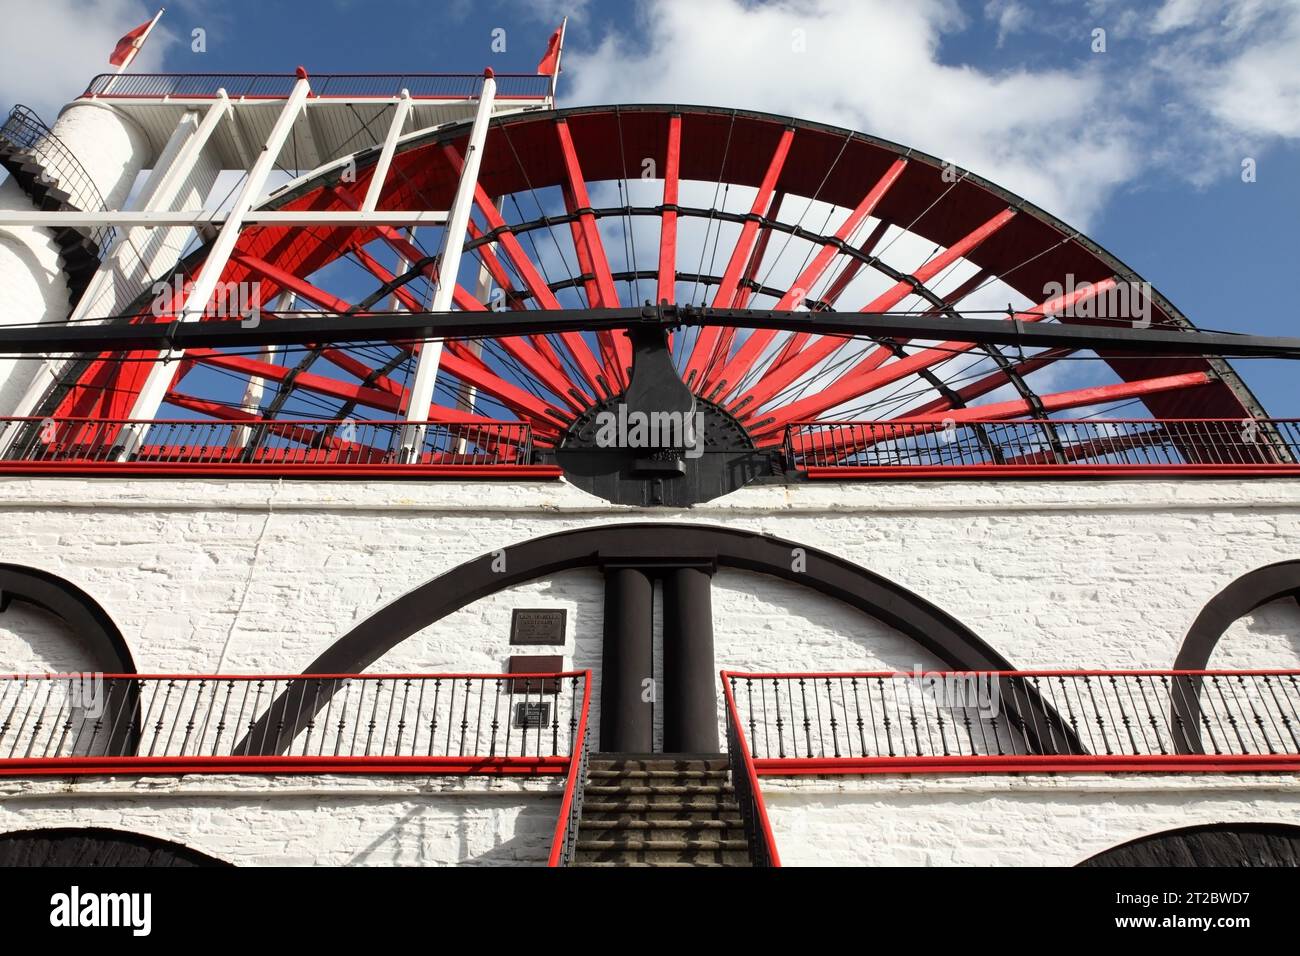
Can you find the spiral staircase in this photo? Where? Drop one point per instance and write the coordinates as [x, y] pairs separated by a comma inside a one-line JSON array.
[[55, 181]]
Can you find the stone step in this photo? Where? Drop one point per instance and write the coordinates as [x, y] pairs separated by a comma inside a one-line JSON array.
[[638, 842], [621, 863], [633, 789], [713, 803], [663, 840], [658, 762], [657, 775], [624, 857], [667, 826], [720, 815]]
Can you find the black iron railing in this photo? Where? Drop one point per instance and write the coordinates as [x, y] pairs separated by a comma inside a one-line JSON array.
[[744, 782], [435, 86], [1059, 719], [236, 723], [48, 444], [565, 840], [939, 444], [28, 132]]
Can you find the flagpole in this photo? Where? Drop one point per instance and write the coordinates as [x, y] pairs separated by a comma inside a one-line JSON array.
[[559, 54], [135, 47]]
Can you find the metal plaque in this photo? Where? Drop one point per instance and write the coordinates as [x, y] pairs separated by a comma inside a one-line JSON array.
[[542, 625]]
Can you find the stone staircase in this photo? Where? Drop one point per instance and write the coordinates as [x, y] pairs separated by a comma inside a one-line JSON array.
[[660, 810]]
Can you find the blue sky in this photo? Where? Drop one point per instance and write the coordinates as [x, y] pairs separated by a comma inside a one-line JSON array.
[[1140, 145]]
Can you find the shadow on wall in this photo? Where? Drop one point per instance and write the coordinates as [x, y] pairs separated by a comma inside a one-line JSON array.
[[476, 828], [60, 623], [1268, 597]]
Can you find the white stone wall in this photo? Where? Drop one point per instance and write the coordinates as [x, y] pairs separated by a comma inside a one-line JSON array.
[[251, 576], [304, 821], [1271, 633], [259, 575], [1002, 820]]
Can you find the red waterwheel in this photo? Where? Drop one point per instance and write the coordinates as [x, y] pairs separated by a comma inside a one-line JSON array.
[[618, 206]]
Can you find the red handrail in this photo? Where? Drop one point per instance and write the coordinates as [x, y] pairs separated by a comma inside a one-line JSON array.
[[763, 827], [577, 769], [1168, 721]]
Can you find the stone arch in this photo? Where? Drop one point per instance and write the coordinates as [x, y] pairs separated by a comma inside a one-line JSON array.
[[1214, 844], [947, 638], [99, 636], [1245, 594], [83, 614], [95, 846]]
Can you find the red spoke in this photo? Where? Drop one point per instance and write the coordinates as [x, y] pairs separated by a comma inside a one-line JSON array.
[[854, 441], [1079, 397], [881, 353], [943, 260], [707, 350], [460, 295], [299, 287], [532, 279], [375, 268], [606, 295], [797, 341], [551, 376], [470, 368], [725, 296], [667, 289], [867, 375], [758, 341], [994, 381], [810, 276], [591, 255], [850, 271], [746, 290], [713, 371]]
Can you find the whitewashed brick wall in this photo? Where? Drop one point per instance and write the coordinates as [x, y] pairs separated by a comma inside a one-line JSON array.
[[263, 576], [1062, 820], [303, 821]]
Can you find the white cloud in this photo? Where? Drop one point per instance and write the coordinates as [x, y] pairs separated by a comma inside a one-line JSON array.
[[1010, 16], [1193, 86], [872, 65], [49, 50], [1238, 61]]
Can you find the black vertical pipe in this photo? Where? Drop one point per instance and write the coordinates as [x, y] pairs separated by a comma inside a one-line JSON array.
[[626, 715], [690, 681]]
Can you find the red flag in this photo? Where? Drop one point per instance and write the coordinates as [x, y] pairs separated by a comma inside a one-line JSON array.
[[126, 47], [551, 58]]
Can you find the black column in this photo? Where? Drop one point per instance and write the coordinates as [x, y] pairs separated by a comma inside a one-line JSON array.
[[690, 679], [626, 721]]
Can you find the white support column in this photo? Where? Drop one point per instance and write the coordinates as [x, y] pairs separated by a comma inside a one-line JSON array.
[[160, 375], [453, 243], [256, 387], [170, 173], [386, 154]]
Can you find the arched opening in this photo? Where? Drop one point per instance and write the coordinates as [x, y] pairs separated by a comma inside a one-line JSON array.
[[1216, 844], [95, 846], [51, 626]]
